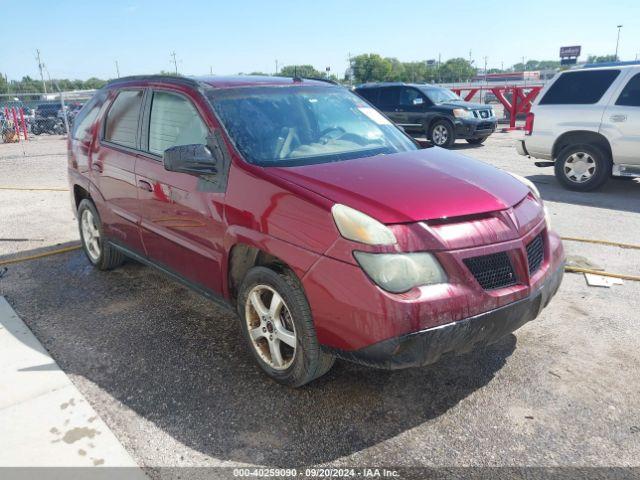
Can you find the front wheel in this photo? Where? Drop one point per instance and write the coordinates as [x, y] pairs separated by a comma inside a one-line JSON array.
[[476, 141], [582, 167], [278, 327], [441, 134]]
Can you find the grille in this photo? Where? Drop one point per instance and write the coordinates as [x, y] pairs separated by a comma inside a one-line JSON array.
[[535, 254], [482, 113], [492, 271]]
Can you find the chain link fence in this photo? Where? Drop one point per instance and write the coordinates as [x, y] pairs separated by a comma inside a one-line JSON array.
[[27, 115]]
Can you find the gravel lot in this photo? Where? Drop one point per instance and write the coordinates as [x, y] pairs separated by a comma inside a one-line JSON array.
[[169, 374]]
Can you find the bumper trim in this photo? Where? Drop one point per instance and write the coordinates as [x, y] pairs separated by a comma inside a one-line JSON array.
[[427, 346]]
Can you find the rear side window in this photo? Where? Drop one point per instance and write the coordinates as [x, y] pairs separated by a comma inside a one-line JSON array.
[[579, 88], [174, 121], [370, 94], [630, 96], [122, 120], [389, 96], [86, 116]]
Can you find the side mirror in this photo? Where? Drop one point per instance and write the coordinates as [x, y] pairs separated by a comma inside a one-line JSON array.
[[194, 159]]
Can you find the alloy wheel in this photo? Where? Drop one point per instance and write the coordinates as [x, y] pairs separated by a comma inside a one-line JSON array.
[[579, 167], [270, 327], [90, 235], [440, 135]]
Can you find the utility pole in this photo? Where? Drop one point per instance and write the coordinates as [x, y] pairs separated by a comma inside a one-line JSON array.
[[439, 77], [618, 41], [470, 61], [41, 67], [211, 70], [351, 72], [276, 66], [117, 69], [174, 61], [524, 65]]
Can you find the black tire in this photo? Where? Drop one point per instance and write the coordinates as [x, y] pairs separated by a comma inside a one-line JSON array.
[[308, 361], [599, 173], [477, 141], [35, 129], [108, 257], [450, 133]]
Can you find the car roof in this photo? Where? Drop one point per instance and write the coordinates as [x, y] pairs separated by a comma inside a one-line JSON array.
[[398, 84], [220, 81]]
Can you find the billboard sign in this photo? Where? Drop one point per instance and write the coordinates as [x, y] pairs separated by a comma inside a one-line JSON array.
[[573, 51]]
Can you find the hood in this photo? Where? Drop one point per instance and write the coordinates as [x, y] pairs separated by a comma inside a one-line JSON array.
[[465, 105], [411, 186]]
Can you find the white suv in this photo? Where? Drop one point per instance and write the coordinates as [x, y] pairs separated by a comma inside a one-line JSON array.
[[586, 122]]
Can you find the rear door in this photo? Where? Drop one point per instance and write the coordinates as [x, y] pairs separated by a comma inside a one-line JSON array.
[[388, 99], [412, 106], [113, 168], [621, 121], [182, 214]]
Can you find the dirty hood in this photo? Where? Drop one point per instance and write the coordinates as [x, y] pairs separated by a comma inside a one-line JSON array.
[[411, 186]]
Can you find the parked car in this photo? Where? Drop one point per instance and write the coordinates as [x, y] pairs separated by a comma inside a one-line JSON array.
[[434, 112], [47, 110], [320, 222], [585, 123]]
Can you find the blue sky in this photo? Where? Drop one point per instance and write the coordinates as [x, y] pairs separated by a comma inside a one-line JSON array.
[[83, 39]]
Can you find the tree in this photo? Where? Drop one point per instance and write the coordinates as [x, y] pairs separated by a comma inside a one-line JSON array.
[[371, 67], [300, 71], [602, 59], [456, 70]]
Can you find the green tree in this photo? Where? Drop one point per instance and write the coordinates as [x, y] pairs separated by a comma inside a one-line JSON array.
[[371, 67], [456, 70], [602, 58], [300, 71]]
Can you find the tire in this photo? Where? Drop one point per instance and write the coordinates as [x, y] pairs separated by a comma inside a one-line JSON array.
[[582, 167], [477, 141], [441, 134], [299, 364], [100, 252], [35, 129]]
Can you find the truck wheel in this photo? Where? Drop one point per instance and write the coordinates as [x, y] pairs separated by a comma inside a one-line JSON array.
[[476, 141], [582, 167], [100, 253], [278, 327], [441, 133]]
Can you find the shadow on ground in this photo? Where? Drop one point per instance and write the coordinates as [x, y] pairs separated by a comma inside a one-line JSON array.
[[178, 361], [617, 194]]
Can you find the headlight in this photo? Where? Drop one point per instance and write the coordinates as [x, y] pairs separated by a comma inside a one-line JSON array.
[[359, 227], [462, 113], [528, 183], [400, 272], [547, 217]]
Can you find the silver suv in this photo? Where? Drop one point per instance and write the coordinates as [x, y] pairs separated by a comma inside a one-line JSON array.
[[586, 123]]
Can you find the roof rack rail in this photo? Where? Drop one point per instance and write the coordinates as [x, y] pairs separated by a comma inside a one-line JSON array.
[[164, 78], [611, 64]]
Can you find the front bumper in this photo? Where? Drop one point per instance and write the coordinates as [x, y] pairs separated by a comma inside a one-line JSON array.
[[469, 129], [427, 346]]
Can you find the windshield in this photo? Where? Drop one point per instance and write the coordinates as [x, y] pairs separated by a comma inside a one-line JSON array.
[[441, 95], [282, 126]]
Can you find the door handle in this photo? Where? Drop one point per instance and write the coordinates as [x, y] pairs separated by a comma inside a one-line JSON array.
[[618, 118], [96, 167], [144, 185]]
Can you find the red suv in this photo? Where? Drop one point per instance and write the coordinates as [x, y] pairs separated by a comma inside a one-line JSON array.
[[324, 225]]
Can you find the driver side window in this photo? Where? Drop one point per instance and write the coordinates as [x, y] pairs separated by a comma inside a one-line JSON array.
[[174, 121]]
